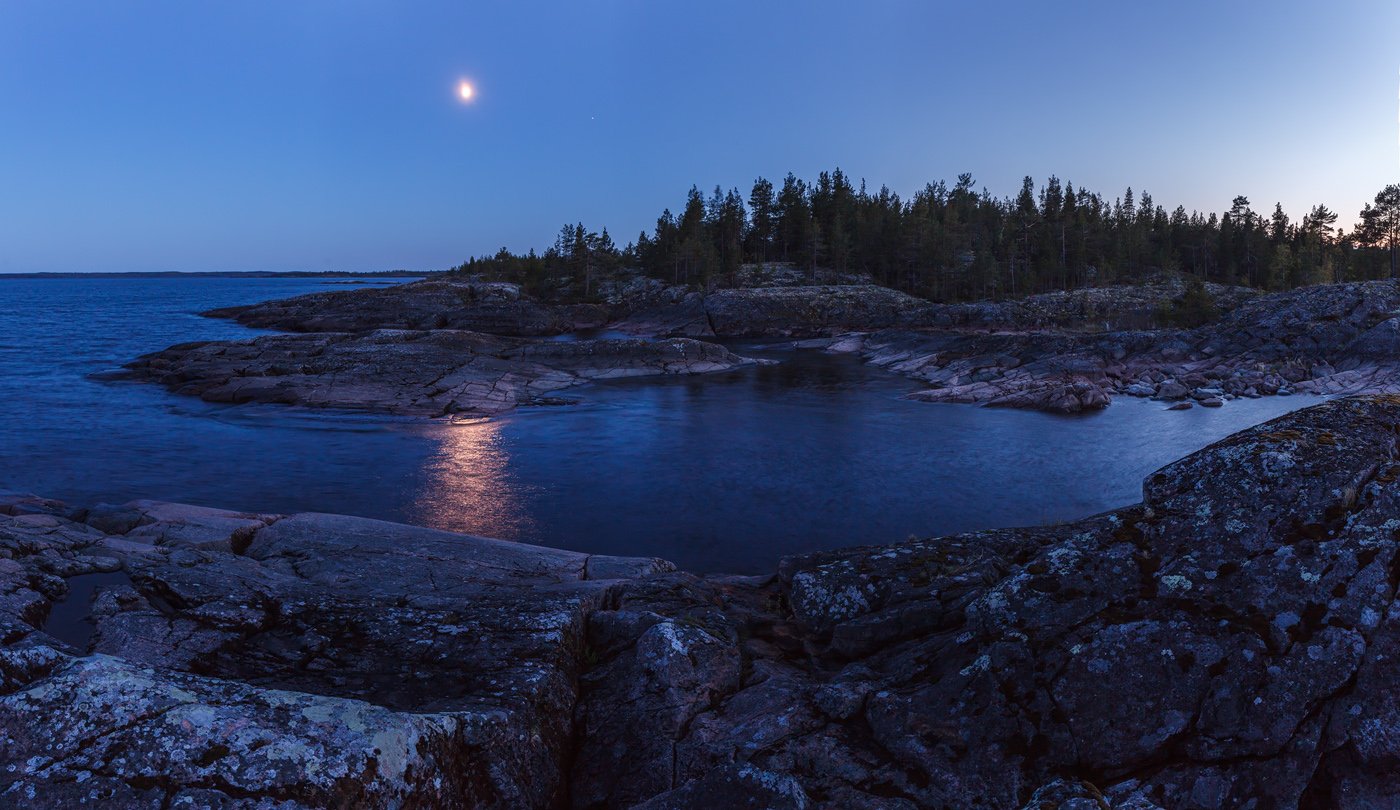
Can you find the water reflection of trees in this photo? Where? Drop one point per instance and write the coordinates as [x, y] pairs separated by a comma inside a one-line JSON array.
[[468, 485]]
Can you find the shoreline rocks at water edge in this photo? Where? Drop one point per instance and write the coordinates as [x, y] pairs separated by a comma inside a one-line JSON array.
[[1228, 642]]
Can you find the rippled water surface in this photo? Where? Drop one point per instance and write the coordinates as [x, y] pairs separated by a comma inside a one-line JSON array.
[[722, 472]]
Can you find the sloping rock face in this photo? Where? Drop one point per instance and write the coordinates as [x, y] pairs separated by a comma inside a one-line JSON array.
[[495, 308], [430, 373], [1112, 308], [1230, 642], [782, 302], [306, 661], [810, 311], [800, 311], [1330, 339], [641, 305], [1059, 372]]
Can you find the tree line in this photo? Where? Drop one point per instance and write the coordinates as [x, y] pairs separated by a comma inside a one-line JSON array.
[[956, 243]]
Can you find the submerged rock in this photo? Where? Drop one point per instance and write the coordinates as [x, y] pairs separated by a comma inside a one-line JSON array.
[[1228, 642]]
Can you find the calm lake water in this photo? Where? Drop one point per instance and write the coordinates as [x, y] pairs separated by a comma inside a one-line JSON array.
[[724, 472]]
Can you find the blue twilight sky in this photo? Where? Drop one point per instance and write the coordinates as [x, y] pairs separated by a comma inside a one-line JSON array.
[[309, 135]]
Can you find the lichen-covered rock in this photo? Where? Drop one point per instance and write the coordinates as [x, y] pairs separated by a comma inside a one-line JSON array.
[[104, 732], [1230, 642], [320, 661], [1222, 645]]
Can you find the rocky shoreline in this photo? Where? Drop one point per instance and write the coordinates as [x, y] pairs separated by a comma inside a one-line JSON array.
[[1045, 352], [643, 307], [499, 309], [1228, 642], [427, 373], [1329, 339]]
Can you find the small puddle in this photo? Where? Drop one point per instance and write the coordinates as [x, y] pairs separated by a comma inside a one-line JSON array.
[[70, 620]]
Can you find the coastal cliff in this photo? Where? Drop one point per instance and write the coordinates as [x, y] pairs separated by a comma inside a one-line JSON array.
[[1228, 642]]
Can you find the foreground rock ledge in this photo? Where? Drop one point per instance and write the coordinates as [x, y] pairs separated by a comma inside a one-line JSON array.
[[429, 373], [1233, 641]]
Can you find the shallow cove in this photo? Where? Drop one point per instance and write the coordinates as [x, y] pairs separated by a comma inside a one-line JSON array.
[[725, 472]]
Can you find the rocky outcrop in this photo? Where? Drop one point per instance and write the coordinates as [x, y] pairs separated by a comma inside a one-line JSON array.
[[785, 306], [1230, 642], [1047, 352], [1330, 339], [800, 311], [431, 373], [646, 306], [435, 303], [810, 311], [1094, 309], [641, 306], [302, 661]]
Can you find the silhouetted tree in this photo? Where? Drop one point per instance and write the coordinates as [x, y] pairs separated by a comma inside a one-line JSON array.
[[1380, 224], [959, 242]]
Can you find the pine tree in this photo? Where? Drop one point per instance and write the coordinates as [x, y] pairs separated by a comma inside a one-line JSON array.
[[956, 243], [1380, 225], [762, 211]]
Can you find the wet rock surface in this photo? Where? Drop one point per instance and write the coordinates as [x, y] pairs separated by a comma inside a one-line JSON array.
[[430, 373], [1229, 642]]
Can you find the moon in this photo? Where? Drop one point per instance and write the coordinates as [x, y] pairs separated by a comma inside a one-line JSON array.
[[465, 91]]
